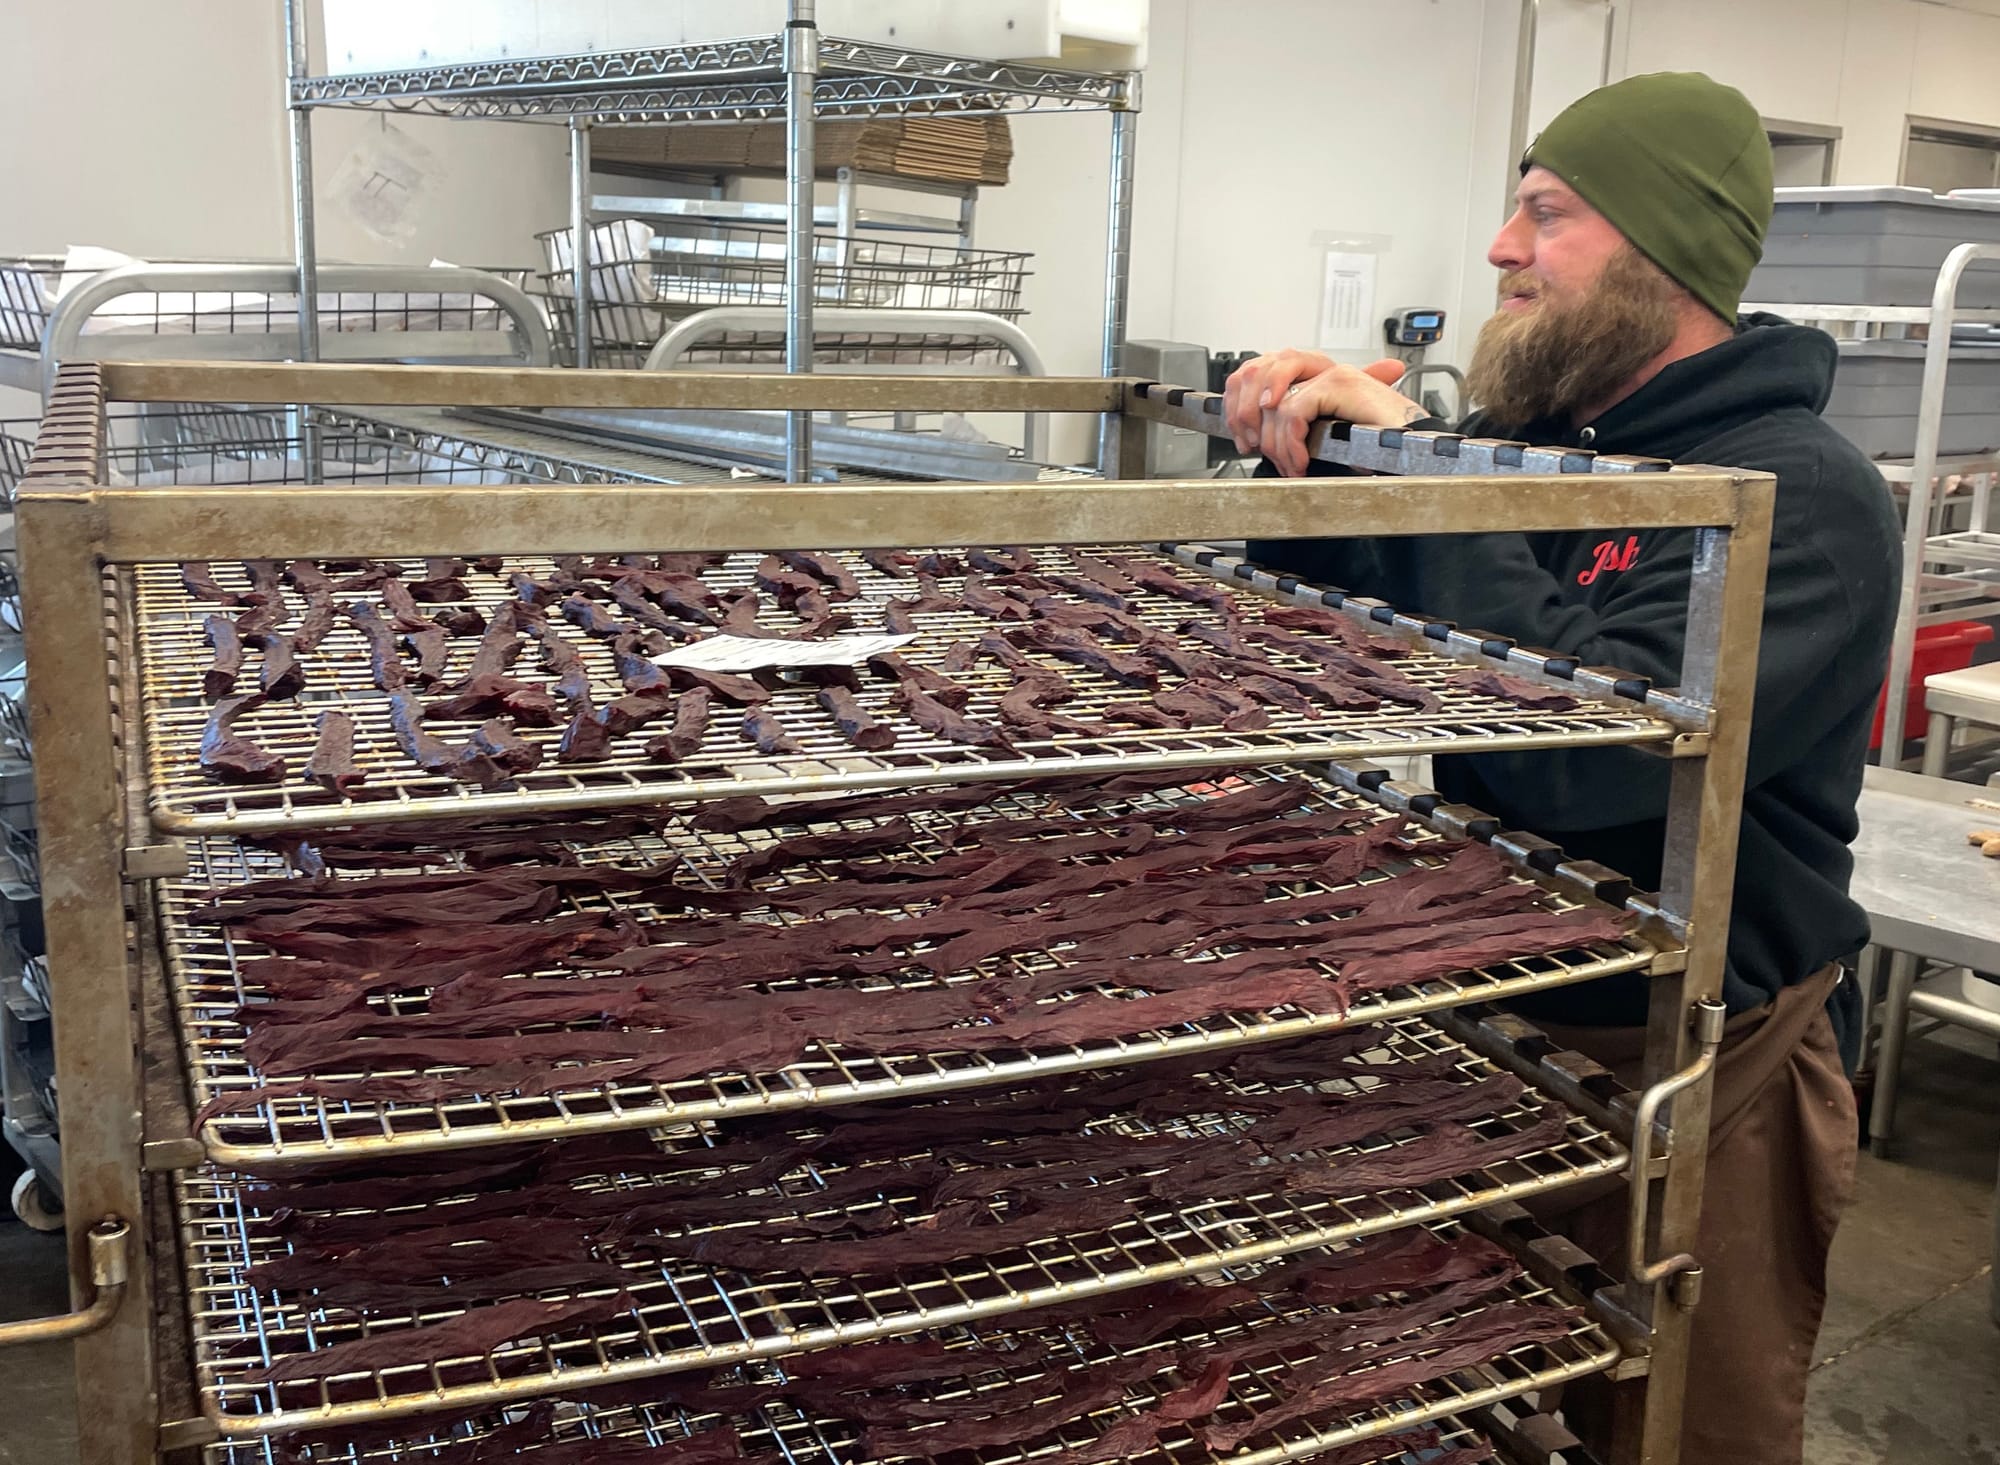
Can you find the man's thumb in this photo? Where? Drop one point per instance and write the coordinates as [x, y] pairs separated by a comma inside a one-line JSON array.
[[1386, 371]]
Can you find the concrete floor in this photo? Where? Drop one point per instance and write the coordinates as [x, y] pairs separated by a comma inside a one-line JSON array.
[[1908, 1367]]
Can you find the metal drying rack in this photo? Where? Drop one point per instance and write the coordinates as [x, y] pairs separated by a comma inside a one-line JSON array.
[[109, 838]]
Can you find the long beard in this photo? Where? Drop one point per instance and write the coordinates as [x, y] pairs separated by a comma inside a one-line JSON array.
[[1565, 352]]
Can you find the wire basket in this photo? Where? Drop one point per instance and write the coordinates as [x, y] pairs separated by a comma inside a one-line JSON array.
[[30, 286], [644, 281]]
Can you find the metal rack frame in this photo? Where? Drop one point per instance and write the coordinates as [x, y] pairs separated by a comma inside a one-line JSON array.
[[99, 850], [793, 77]]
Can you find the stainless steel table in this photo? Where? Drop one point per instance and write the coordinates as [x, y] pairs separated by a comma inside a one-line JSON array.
[[1929, 896]]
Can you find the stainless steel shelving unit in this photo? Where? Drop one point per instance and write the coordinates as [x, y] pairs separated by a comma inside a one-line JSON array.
[[1925, 598], [792, 77], [182, 1225]]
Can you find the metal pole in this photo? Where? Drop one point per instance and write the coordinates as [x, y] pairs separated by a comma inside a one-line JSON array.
[[801, 72], [305, 244], [1524, 92], [579, 233], [1118, 263], [1917, 519]]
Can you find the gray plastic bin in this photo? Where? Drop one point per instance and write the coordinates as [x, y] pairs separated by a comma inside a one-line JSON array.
[[1877, 386], [1872, 246]]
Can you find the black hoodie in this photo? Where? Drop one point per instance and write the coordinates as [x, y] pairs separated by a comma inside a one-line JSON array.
[[1621, 600]]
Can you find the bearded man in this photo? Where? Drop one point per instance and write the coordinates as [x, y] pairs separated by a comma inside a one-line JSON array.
[[1642, 210]]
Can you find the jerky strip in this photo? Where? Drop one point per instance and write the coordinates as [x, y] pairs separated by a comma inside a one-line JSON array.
[[332, 763]]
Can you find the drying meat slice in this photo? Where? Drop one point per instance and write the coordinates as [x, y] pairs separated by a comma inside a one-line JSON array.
[[1340, 627], [220, 678], [198, 579], [1009, 561], [585, 740], [1162, 581], [406, 719], [230, 757], [281, 676], [1086, 650], [854, 722], [332, 763], [895, 563], [898, 614], [558, 656], [495, 753], [307, 578], [941, 563], [1000, 605], [690, 726], [761, 728], [501, 645], [318, 620], [472, 1334], [441, 582], [915, 678], [827, 570], [1518, 690], [590, 618], [741, 618], [941, 720], [1213, 704], [1102, 572], [819, 615], [490, 695], [1140, 714], [725, 686], [785, 583], [632, 599], [460, 621], [690, 562], [537, 594], [1088, 590], [372, 575], [385, 663], [1036, 690], [635, 668]]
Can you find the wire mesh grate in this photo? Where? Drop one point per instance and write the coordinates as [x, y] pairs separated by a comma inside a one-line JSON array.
[[684, 1315], [205, 968], [169, 631]]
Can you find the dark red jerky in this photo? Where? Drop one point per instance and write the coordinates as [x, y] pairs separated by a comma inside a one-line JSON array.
[[895, 563], [230, 757], [983, 599], [679, 595], [922, 679], [308, 579], [1339, 627], [1086, 650], [943, 721], [372, 575], [785, 583], [432, 646], [723, 686], [1009, 561], [473, 1334], [585, 740], [266, 582], [629, 713], [1024, 706], [319, 619], [1216, 704], [1135, 1433], [491, 564], [854, 722], [989, 1418], [684, 737], [1162, 581], [819, 615], [332, 763], [741, 617], [590, 618], [500, 646], [558, 656], [941, 563], [406, 720], [1554, 933], [495, 741], [804, 848], [219, 680], [538, 594], [632, 599], [635, 668], [690, 562], [1140, 714], [826, 569], [761, 728], [1196, 666], [441, 582], [262, 616], [490, 695], [1471, 1340], [1083, 589], [1102, 572], [1519, 691]]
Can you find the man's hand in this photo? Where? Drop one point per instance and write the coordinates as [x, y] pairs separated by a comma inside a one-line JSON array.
[[1271, 400]]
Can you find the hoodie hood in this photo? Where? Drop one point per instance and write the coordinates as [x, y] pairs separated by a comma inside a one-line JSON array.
[[1767, 366]]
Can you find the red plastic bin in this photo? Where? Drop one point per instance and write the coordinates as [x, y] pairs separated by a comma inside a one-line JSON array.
[[1946, 647]]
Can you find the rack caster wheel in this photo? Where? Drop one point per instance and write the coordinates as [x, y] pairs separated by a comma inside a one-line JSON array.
[[32, 1206]]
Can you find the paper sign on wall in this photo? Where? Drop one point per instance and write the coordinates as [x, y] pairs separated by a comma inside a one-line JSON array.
[[1348, 265]]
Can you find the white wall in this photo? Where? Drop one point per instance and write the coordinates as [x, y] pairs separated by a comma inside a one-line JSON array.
[[158, 130]]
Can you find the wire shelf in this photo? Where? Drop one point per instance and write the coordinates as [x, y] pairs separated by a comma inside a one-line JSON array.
[[723, 81], [210, 988], [684, 1315], [173, 654]]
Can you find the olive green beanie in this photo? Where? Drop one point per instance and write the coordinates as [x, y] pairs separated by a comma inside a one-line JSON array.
[[1680, 165]]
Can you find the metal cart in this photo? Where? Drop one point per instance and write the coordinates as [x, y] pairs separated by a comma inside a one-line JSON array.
[[168, 1336]]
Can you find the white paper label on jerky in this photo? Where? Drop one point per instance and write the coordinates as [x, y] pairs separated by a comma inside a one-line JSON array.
[[755, 653]]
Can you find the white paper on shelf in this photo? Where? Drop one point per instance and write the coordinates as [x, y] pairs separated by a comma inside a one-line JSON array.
[[756, 653]]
